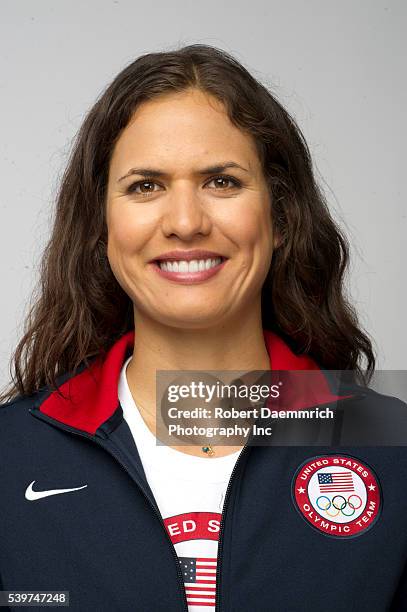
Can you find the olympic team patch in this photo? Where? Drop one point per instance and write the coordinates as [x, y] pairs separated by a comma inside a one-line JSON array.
[[337, 494]]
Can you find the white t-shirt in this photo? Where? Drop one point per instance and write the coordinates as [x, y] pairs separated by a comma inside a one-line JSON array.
[[189, 492]]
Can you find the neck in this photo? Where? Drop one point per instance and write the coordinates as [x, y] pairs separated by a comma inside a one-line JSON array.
[[238, 345]]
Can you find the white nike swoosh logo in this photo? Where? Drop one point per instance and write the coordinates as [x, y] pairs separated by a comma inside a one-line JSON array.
[[33, 495]]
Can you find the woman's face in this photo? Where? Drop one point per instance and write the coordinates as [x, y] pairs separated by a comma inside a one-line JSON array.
[[183, 178]]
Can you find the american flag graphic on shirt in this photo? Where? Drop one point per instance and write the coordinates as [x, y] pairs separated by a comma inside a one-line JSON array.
[[335, 482], [199, 579]]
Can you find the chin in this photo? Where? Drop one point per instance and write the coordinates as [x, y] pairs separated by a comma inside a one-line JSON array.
[[191, 320]]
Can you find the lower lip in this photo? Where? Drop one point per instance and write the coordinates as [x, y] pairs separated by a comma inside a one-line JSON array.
[[189, 278]]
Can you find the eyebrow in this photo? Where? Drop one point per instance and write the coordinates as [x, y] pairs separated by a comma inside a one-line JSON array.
[[204, 171]]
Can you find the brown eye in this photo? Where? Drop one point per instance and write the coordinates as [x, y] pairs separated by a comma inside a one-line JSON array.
[[225, 182], [146, 187]]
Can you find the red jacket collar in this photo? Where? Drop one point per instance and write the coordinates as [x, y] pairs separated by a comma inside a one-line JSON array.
[[91, 397]]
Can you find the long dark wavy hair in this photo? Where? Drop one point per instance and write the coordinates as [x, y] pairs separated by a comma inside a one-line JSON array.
[[79, 310]]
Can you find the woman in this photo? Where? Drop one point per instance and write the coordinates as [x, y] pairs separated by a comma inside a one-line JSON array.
[[190, 235]]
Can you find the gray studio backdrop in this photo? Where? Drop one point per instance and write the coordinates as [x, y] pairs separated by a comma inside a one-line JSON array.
[[336, 65]]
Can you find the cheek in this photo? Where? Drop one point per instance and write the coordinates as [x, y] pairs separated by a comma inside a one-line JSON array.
[[252, 231], [255, 233], [121, 240], [128, 231], [124, 241]]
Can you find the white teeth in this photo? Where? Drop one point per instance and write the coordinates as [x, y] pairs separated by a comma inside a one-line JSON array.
[[196, 265]]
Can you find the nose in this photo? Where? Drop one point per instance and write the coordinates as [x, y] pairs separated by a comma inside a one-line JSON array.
[[185, 215]]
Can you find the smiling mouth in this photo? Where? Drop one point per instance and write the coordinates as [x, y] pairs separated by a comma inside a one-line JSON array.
[[195, 265], [189, 272]]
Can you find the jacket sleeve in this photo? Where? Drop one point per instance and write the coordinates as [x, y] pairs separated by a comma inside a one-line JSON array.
[[1, 589], [399, 603]]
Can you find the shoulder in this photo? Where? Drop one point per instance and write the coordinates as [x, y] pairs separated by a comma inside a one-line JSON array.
[[17, 405], [16, 412], [375, 419], [373, 399], [15, 417]]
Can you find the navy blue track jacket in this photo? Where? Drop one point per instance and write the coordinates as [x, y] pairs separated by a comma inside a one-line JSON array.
[[310, 527]]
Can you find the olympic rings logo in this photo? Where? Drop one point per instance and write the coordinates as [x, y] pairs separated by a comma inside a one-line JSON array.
[[338, 504]]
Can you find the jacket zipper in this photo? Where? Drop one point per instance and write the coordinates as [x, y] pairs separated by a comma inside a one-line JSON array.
[[47, 419], [221, 526]]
